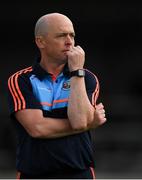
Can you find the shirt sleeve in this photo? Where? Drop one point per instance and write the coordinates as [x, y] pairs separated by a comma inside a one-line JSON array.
[[92, 86], [20, 94]]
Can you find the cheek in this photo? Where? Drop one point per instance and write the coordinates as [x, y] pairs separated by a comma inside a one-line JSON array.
[[74, 41]]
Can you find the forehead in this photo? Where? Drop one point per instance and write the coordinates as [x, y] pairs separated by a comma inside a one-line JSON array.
[[61, 25]]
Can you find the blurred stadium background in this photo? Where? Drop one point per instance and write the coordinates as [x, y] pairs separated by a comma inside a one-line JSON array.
[[111, 34]]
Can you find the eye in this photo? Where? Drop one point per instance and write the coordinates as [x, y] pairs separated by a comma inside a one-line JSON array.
[[61, 35], [72, 35]]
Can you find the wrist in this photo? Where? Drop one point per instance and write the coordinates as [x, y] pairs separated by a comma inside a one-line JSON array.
[[78, 73]]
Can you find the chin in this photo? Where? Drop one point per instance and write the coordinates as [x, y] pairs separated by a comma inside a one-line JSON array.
[[64, 60]]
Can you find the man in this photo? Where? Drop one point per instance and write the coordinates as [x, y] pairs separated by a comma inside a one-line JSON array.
[[53, 106]]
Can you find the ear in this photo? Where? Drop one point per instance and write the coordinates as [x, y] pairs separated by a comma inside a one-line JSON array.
[[39, 40]]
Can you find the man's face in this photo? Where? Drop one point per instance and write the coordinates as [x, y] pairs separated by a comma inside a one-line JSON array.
[[59, 40]]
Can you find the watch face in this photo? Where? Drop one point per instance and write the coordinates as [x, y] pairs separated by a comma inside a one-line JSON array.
[[81, 72]]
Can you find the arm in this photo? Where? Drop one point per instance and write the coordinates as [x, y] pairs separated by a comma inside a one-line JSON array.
[[81, 112], [27, 110], [39, 126]]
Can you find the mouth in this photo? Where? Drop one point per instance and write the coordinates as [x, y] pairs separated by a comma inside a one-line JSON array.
[[66, 50]]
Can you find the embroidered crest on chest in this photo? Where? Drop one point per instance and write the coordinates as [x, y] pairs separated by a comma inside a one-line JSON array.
[[66, 85]]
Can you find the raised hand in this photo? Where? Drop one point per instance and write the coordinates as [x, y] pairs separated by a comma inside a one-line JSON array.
[[76, 58]]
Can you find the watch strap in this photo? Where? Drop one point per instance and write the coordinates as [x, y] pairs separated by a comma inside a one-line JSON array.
[[78, 73]]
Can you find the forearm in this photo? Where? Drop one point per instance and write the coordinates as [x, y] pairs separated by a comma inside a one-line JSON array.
[[80, 110], [55, 128], [62, 127], [39, 126]]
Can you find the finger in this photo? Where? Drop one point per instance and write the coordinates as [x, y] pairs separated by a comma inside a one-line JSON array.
[[78, 48], [103, 111], [103, 120], [99, 106]]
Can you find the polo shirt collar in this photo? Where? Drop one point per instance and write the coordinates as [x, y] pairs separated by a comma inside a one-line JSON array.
[[41, 73]]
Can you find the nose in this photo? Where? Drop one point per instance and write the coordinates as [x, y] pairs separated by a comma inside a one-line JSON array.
[[69, 40]]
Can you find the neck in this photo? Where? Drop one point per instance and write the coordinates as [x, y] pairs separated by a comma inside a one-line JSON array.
[[52, 67]]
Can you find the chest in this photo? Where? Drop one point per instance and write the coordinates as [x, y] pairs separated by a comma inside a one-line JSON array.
[[51, 94]]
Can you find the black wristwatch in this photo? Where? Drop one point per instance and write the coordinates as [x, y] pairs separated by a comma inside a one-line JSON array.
[[78, 73]]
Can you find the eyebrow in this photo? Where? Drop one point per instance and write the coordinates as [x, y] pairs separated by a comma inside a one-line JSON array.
[[64, 33]]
